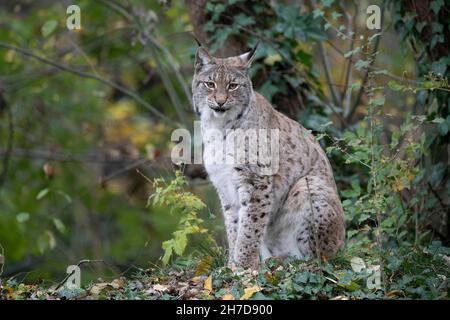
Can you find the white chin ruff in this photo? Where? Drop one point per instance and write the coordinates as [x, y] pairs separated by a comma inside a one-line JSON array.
[[219, 115]]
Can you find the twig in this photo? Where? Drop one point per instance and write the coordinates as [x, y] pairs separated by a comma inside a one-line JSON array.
[[73, 271], [65, 157], [148, 40], [326, 68], [347, 92], [92, 76], [2, 259], [10, 143], [355, 104]]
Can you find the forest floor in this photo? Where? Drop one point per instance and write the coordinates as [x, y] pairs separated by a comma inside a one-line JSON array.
[[409, 273]]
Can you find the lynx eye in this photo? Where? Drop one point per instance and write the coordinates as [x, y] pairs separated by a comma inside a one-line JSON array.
[[233, 86], [209, 84]]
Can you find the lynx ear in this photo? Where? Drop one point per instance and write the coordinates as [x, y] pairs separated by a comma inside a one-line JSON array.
[[248, 57], [202, 58]]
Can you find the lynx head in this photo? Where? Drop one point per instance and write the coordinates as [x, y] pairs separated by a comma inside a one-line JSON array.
[[221, 87]]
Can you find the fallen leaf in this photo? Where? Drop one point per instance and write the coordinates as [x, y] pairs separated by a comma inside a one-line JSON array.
[[339, 298], [249, 292], [160, 288], [357, 264], [394, 293], [204, 266], [447, 260], [208, 283], [97, 288], [117, 283], [196, 280]]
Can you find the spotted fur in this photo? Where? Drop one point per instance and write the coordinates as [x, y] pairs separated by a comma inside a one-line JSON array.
[[295, 211]]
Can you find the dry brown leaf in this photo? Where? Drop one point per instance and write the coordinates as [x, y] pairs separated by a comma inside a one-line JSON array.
[[117, 283], [393, 293]]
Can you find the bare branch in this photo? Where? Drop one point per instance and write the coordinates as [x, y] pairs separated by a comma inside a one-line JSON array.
[[9, 146], [355, 104], [107, 82]]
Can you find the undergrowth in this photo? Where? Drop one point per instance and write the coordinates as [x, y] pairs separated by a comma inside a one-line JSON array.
[[411, 273]]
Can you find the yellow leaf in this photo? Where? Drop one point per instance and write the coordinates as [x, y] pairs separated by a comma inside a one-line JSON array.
[[196, 280], [208, 283], [9, 56], [249, 292], [271, 59], [228, 297], [204, 266]]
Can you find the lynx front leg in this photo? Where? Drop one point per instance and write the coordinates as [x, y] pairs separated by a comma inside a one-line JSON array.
[[256, 206], [231, 217]]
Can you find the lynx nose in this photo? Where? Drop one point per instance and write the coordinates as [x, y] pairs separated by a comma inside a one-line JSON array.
[[221, 99]]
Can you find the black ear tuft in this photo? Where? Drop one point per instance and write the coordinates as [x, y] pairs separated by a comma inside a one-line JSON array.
[[196, 40], [202, 58], [248, 57], [253, 51]]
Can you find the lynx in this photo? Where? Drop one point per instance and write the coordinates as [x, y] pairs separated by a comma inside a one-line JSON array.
[[295, 211]]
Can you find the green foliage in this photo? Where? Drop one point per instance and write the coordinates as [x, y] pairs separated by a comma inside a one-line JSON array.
[[68, 193], [183, 203]]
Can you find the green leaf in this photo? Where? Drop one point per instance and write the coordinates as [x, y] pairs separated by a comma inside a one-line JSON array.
[[179, 243], [362, 64], [272, 59], [59, 225], [356, 86], [22, 217], [436, 5], [336, 15], [66, 196], [318, 13], [167, 246], [48, 28], [244, 20], [42, 193], [327, 3], [378, 101], [394, 85], [352, 52]]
